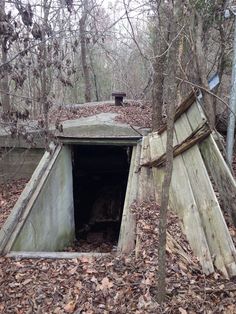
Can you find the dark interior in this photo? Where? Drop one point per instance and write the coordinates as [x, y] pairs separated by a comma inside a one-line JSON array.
[[100, 175]]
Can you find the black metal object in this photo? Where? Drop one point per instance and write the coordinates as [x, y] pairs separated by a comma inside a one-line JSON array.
[[118, 97]]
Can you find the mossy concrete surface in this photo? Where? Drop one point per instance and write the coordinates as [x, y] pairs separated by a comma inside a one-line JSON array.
[[50, 224]]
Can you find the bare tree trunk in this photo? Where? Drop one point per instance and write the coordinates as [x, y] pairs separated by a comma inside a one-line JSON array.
[[202, 70], [94, 78], [44, 80], [172, 93], [160, 46], [4, 83], [84, 52], [157, 91]]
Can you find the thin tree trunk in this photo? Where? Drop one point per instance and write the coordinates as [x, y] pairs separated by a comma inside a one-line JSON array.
[[172, 93], [84, 52], [202, 70], [44, 80], [160, 46], [4, 84]]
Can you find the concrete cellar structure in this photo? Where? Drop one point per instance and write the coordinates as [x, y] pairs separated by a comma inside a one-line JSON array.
[[79, 187], [89, 182]]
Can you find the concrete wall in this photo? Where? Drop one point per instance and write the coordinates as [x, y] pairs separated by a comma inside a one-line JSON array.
[[50, 224], [18, 163]]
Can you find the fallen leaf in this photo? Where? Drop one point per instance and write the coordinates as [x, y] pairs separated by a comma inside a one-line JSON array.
[[70, 307], [105, 284], [182, 311]]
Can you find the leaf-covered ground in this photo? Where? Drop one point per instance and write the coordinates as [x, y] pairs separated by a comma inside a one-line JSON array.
[[9, 194], [116, 284]]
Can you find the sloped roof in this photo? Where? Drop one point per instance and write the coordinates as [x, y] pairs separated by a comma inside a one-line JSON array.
[[99, 126]]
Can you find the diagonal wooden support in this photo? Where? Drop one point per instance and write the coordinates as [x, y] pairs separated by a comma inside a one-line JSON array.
[[197, 136]]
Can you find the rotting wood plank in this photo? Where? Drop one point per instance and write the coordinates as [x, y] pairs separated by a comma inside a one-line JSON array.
[[127, 236], [15, 220], [221, 175], [217, 233], [145, 188], [172, 245], [197, 136], [158, 173], [216, 165], [180, 110], [182, 201]]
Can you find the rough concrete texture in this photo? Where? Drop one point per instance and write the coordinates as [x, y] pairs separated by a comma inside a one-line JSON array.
[[98, 126], [50, 224], [18, 163]]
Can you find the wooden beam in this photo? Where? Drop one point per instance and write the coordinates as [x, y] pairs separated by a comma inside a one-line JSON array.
[[145, 189], [182, 202], [183, 107], [216, 231], [127, 236], [216, 165], [197, 136], [222, 176]]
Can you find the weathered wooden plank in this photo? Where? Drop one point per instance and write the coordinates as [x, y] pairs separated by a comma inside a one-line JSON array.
[[180, 110], [145, 188], [158, 173], [182, 201], [127, 236], [216, 165], [217, 234], [197, 136], [221, 175]]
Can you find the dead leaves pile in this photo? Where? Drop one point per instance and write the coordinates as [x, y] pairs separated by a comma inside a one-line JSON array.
[[9, 194], [115, 284], [134, 113]]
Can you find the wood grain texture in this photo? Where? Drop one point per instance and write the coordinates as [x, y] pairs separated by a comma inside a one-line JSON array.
[[127, 236], [216, 231]]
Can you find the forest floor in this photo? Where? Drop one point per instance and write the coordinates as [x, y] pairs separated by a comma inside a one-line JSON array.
[[113, 283]]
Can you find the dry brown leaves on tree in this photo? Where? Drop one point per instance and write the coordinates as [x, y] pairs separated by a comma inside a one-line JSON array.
[[115, 284]]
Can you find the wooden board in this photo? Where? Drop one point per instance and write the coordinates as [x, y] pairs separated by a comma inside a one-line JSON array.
[[127, 236], [183, 203], [216, 231], [221, 175], [145, 188], [216, 165], [158, 173], [145, 183]]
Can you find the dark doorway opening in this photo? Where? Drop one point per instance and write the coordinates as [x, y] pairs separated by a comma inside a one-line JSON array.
[[100, 175]]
